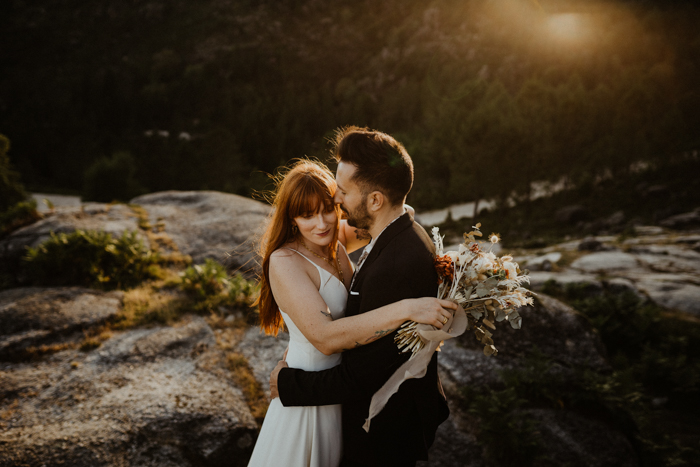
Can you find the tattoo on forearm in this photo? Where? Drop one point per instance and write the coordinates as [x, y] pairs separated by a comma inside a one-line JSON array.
[[362, 234], [327, 313], [379, 334]]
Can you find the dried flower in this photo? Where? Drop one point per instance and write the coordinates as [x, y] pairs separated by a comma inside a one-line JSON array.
[[445, 268], [488, 288]]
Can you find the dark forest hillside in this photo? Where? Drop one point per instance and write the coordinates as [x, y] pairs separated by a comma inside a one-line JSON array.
[[206, 94]]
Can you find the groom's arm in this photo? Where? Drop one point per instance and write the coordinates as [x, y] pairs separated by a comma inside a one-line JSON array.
[[361, 374]]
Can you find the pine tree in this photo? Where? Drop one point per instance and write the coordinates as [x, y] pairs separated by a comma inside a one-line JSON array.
[[11, 189]]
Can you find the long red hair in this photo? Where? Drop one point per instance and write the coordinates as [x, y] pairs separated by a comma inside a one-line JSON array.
[[305, 185]]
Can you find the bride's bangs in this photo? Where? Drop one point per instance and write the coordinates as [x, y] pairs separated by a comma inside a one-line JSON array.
[[308, 196]]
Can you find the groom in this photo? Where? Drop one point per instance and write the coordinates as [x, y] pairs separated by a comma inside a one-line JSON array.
[[375, 173]]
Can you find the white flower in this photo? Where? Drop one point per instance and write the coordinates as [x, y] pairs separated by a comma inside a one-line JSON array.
[[437, 240], [511, 269]]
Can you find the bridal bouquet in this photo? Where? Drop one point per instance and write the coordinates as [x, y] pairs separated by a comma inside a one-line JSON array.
[[488, 288]]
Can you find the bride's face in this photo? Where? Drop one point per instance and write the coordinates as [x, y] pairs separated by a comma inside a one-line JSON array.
[[318, 227]]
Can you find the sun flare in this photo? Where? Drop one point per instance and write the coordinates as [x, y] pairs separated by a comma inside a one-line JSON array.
[[569, 27]]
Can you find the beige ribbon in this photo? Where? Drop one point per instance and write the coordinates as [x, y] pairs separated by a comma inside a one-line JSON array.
[[418, 364]]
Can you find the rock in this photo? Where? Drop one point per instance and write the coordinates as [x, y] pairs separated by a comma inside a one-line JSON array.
[[668, 258], [452, 448], [648, 230], [687, 239], [605, 262], [35, 316], [672, 291], [571, 214], [551, 326], [469, 366], [567, 438], [683, 221], [209, 224], [589, 244], [544, 262], [618, 285], [58, 201], [616, 219], [263, 352], [565, 277], [657, 191], [159, 396], [577, 441]]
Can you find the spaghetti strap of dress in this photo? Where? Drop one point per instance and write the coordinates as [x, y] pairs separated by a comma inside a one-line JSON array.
[[304, 256]]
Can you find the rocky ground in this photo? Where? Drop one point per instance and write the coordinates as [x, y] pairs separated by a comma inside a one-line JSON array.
[[165, 395], [147, 396], [658, 264]]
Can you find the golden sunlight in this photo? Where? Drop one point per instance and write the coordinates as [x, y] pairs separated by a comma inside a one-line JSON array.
[[569, 27]]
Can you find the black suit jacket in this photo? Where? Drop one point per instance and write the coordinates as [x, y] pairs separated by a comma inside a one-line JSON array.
[[399, 266]]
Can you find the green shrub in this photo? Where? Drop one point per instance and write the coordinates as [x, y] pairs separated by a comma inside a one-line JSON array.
[[112, 179], [663, 349], [205, 280], [19, 215], [11, 189], [507, 433], [655, 355], [212, 287], [91, 258]]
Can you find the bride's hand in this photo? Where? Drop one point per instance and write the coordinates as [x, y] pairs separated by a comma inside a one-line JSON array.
[[428, 310]]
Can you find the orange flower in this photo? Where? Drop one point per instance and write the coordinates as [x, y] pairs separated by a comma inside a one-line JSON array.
[[444, 267]]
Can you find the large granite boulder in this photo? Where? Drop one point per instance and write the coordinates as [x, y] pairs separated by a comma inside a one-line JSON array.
[[553, 328], [30, 317], [566, 437], [209, 224], [159, 396]]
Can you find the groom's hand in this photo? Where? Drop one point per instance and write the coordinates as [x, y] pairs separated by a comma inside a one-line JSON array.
[[273, 378]]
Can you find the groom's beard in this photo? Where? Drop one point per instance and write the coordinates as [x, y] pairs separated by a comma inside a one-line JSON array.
[[360, 217]]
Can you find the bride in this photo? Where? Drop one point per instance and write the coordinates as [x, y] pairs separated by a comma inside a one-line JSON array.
[[307, 273]]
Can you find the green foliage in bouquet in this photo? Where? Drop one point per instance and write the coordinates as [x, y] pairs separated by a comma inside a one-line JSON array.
[[213, 289], [19, 215], [91, 258]]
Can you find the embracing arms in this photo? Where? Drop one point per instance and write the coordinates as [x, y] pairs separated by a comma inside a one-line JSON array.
[[364, 370], [298, 296]]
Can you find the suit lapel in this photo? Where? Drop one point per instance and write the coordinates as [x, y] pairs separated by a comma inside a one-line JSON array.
[[401, 224]]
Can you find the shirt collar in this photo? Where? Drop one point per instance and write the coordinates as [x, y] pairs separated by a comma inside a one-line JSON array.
[[371, 244]]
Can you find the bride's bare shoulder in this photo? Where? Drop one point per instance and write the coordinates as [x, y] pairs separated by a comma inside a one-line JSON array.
[[284, 255]]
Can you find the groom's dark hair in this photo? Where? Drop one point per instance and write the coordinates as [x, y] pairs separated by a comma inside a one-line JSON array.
[[382, 162]]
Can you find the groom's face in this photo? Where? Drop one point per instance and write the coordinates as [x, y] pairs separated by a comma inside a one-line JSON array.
[[352, 200]]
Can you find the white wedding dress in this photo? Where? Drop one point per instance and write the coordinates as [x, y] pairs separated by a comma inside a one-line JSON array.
[[305, 436]]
